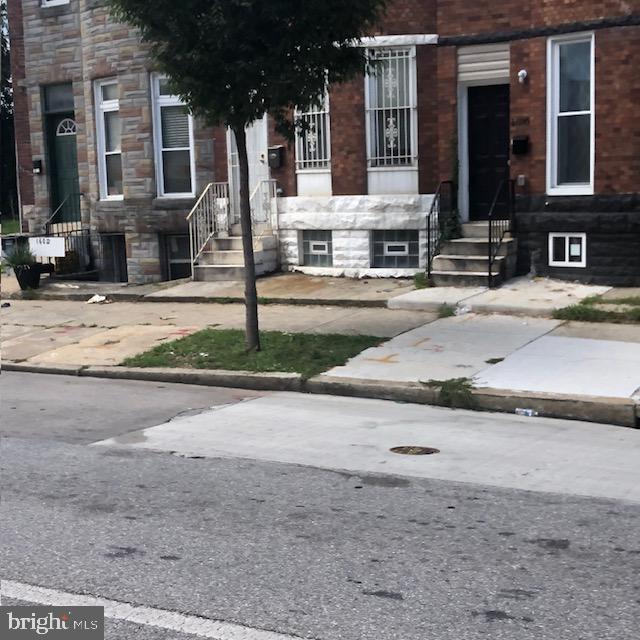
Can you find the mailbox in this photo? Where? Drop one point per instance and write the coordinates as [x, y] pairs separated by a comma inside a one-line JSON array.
[[520, 145], [276, 157]]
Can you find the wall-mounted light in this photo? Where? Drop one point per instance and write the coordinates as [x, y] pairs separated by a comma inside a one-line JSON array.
[[37, 167], [523, 74]]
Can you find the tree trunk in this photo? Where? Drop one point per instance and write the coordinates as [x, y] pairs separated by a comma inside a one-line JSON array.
[[252, 335]]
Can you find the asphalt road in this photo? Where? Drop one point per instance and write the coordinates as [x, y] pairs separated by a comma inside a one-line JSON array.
[[294, 549]]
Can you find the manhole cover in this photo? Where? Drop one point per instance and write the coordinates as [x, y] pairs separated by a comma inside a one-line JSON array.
[[415, 451]]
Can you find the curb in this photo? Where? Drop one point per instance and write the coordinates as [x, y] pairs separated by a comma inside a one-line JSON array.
[[202, 377], [615, 411]]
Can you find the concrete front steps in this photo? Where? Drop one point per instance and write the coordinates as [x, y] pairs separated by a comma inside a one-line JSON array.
[[465, 262], [223, 260]]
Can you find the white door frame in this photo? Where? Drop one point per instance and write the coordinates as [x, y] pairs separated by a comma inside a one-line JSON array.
[[257, 132]]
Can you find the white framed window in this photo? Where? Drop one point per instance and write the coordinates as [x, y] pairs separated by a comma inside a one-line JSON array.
[[173, 142], [395, 249], [53, 3], [568, 250], [571, 115], [317, 248], [391, 107], [313, 139], [109, 139]]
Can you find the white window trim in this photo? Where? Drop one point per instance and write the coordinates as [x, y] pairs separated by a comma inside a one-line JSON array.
[[318, 252], [566, 263], [102, 107], [158, 102], [404, 252], [553, 97], [53, 3], [413, 100]]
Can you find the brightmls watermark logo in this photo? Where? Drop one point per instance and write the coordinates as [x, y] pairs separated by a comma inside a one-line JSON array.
[[52, 623]]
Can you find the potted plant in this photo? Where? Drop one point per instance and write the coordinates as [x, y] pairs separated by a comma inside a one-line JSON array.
[[24, 265]]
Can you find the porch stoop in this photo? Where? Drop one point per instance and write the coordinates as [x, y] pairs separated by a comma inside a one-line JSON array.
[[465, 262], [223, 259]]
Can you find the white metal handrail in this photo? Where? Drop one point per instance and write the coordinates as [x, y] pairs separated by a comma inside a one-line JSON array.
[[263, 200], [209, 216]]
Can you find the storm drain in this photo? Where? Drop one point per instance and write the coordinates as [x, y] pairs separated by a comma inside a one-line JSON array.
[[414, 451]]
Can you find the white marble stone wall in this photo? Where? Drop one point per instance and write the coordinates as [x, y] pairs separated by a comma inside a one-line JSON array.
[[351, 220]]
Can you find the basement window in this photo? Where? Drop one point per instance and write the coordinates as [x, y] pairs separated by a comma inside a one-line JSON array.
[[317, 247], [54, 3], [568, 250], [396, 249]]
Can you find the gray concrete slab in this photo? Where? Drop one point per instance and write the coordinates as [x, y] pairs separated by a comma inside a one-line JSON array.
[[453, 347], [574, 366], [356, 435], [112, 346], [37, 342], [432, 298]]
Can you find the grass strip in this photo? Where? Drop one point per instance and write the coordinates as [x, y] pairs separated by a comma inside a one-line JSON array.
[[304, 353]]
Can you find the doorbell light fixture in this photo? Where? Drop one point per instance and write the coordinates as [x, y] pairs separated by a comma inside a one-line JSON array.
[[523, 74]]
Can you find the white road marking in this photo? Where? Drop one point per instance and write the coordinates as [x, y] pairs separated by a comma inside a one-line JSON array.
[[148, 616]]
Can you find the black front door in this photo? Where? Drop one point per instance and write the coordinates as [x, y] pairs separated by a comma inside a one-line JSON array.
[[488, 148]]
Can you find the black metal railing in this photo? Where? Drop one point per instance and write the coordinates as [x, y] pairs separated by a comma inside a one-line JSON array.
[[80, 251], [438, 219], [500, 221]]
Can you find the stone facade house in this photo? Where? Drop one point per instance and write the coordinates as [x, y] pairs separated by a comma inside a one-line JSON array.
[[524, 113]]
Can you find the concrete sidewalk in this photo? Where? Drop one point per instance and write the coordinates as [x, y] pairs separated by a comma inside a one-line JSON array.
[[521, 296], [280, 288], [74, 333], [507, 352], [524, 360]]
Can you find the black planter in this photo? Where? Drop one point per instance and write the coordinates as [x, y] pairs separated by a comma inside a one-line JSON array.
[[28, 276]]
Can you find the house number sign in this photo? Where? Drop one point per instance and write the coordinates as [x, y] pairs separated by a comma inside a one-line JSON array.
[[47, 247]]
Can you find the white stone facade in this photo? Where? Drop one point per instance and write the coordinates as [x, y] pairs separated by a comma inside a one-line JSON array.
[[351, 219]]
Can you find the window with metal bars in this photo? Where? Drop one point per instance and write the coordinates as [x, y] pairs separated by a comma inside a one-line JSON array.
[[313, 144], [390, 92], [317, 248], [396, 249]]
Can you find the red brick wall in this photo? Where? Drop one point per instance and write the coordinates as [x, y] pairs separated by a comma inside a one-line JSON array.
[[427, 64], [348, 139], [529, 111], [618, 110], [462, 17], [617, 162], [447, 115], [409, 16], [21, 105]]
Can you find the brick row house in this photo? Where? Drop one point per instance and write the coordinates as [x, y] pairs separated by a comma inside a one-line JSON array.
[[528, 112]]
